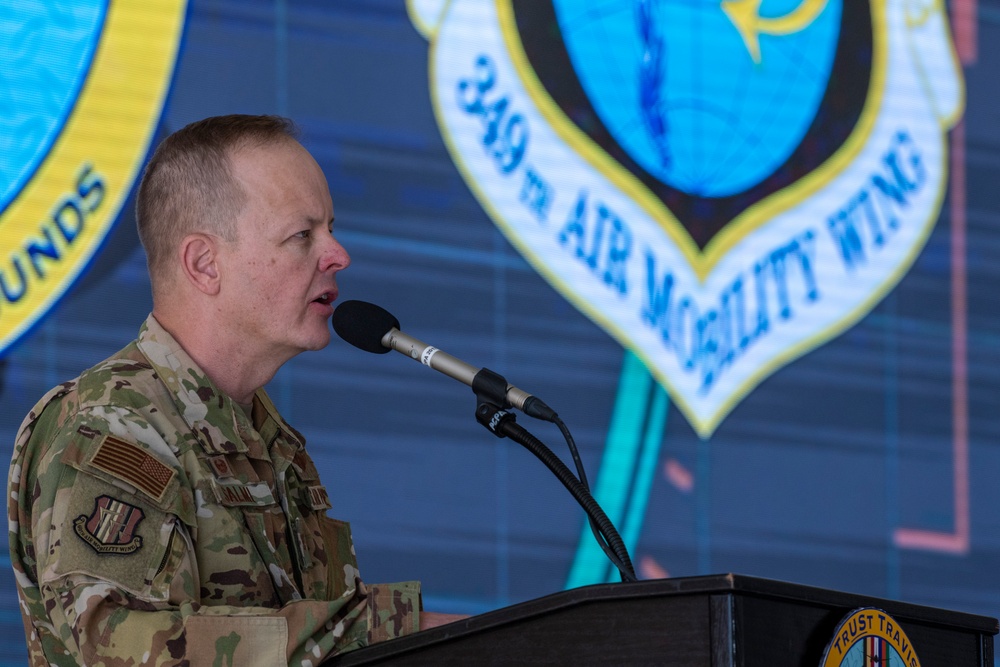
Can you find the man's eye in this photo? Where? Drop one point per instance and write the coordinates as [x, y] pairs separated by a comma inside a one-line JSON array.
[[304, 234]]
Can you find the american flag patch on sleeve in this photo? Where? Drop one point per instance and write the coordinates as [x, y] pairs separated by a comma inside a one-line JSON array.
[[130, 463]]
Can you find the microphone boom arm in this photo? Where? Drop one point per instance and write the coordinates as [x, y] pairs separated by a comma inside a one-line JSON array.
[[455, 368], [503, 424]]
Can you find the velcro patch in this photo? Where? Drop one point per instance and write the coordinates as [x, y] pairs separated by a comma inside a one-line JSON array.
[[220, 465], [131, 463], [255, 494], [110, 528], [87, 432], [319, 499]]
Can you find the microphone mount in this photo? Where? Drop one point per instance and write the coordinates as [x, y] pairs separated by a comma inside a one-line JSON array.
[[374, 329], [491, 392]]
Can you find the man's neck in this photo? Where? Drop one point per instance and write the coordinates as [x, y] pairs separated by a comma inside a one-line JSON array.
[[229, 363]]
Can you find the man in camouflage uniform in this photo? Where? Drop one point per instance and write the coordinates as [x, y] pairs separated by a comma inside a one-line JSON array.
[[161, 510]]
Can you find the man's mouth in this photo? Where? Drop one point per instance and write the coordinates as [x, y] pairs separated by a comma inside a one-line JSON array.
[[326, 298]]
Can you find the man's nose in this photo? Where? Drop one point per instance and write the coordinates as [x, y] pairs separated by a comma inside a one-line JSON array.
[[334, 257]]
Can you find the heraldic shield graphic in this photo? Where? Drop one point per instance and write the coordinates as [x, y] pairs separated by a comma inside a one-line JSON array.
[[82, 86], [722, 186]]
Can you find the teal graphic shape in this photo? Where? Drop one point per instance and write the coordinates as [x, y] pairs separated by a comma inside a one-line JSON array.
[[677, 87], [627, 469], [46, 48]]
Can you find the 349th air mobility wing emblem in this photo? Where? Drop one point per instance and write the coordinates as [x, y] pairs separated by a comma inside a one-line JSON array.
[[82, 86], [722, 186], [110, 528]]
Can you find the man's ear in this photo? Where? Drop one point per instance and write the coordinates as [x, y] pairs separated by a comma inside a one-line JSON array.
[[199, 262]]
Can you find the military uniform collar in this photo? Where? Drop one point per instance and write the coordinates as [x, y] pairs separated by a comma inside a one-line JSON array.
[[220, 424]]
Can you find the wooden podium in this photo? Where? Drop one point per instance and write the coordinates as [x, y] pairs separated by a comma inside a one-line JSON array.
[[715, 621]]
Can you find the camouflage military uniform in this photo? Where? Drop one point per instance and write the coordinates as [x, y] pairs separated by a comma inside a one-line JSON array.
[[153, 522]]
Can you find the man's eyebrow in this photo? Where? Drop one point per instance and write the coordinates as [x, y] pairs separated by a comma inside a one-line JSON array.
[[313, 220]]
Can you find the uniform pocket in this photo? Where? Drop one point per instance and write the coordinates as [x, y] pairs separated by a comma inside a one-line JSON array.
[[342, 566]]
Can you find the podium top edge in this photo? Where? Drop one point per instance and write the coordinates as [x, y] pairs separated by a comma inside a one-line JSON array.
[[722, 585], [773, 588]]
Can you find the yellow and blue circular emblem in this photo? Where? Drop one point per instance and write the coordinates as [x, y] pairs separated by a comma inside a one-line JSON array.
[[869, 637], [82, 88]]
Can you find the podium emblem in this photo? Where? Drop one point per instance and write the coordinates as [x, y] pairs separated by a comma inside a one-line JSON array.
[[870, 637]]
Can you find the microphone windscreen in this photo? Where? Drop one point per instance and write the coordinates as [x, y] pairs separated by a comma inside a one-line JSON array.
[[363, 325]]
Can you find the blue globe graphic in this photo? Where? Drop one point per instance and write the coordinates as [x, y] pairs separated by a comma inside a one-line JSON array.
[[680, 89], [46, 48]]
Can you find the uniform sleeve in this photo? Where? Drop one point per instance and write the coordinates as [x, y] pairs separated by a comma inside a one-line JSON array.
[[110, 627], [113, 579]]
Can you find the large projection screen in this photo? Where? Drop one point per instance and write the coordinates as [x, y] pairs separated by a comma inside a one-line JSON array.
[[750, 258]]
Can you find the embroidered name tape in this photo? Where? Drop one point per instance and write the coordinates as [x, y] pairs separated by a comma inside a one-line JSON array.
[[257, 494]]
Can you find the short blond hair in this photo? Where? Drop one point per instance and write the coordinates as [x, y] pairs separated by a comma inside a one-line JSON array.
[[188, 185]]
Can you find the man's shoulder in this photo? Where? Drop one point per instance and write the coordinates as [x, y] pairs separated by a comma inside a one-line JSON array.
[[106, 423], [126, 378], [125, 381]]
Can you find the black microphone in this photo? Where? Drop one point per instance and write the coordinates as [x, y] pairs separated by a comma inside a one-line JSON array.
[[374, 329]]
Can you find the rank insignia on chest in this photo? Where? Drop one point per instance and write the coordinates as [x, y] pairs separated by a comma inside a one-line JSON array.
[[110, 528], [220, 466]]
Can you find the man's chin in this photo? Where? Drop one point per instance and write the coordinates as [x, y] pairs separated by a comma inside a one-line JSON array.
[[318, 342], [311, 338]]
